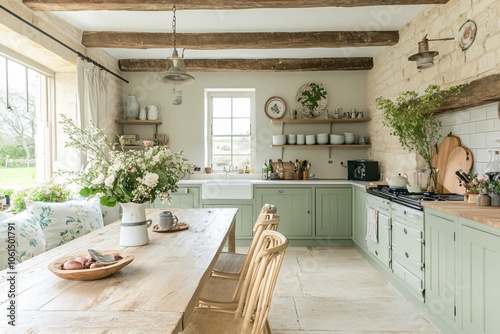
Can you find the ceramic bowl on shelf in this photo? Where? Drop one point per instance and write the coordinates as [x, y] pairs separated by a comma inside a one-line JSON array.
[[279, 139], [336, 139], [348, 137], [310, 139], [301, 139], [292, 139], [322, 138]]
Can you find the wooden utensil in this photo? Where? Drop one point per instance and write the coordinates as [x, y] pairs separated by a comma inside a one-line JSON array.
[[448, 143], [459, 158]]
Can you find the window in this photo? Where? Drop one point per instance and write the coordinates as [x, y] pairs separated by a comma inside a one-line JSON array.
[[230, 118], [24, 158]]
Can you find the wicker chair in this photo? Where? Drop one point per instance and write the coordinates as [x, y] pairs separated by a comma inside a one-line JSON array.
[[223, 291], [250, 316], [229, 264]]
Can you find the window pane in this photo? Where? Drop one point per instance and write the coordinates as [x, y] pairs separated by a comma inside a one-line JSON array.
[[33, 90], [241, 126], [221, 145], [221, 107], [221, 126], [241, 145], [221, 161], [241, 161], [3, 85], [241, 107]]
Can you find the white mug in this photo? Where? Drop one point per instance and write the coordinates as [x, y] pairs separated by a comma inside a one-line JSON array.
[[152, 112]]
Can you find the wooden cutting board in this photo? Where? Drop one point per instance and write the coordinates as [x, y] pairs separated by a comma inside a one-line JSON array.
[[459, 158], [448, 144]]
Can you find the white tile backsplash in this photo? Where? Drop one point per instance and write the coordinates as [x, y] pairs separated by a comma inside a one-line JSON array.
[[478, 129]]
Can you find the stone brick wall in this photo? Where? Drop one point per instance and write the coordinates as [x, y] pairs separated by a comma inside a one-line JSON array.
[[393, 73]]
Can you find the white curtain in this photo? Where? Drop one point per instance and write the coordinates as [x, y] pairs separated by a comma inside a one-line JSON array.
[[92, 98]]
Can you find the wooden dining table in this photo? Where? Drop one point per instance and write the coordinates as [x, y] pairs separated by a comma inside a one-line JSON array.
[[155, 293]]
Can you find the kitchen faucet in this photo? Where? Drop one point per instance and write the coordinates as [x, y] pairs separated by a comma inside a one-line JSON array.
[[227, 170]]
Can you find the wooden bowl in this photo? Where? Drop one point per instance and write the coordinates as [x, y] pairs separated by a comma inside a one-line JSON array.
[[89, 274]]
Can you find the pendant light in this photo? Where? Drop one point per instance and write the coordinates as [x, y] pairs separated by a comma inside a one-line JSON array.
[[175, 75]]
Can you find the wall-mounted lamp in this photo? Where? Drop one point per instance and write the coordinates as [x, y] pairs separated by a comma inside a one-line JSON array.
[[425, 58]]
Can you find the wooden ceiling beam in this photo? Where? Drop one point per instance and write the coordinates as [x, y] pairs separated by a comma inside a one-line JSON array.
[[162, 5], [253, 40], [475, 93], [250, 65]]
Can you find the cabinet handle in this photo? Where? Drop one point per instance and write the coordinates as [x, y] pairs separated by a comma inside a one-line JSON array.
[[407, 256], [405, 231], [280, 191], [308, 211], [376, 253]]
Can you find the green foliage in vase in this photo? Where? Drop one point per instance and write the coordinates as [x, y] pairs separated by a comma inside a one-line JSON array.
[[412, 118], [310, 98]]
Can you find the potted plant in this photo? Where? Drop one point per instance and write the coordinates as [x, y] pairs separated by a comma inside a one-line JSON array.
[[494, 192], [309, 97], [411, 119]]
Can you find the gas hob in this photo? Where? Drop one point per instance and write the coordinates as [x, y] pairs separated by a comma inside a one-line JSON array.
[[413, 200]]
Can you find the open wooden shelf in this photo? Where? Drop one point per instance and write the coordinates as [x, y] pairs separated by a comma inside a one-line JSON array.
[[137, 122], [325, 145], [320, 120]]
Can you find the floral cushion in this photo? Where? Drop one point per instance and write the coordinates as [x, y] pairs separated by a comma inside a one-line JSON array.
[[63, 222], [5, 215], [27, 235]]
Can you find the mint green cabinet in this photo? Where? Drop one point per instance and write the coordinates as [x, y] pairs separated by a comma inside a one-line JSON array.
[[184, 197], [440, 268], [294, 208], [359, 217], [333, 212], [480, 289]]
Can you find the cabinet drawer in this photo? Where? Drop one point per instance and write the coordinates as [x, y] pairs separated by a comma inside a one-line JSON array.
[[414, 283], [407, 247]]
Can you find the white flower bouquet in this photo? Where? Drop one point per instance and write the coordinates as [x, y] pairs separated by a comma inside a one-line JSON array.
[[122, 176]]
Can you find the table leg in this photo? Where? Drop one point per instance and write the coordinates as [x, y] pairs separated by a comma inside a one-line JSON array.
[[232, 237]]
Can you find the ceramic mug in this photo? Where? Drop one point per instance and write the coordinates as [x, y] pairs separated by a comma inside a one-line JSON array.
[[167, 220], [143, 114]]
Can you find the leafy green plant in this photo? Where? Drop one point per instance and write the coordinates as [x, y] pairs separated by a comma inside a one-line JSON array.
[[49, 191], [412, 119], [310, 98]]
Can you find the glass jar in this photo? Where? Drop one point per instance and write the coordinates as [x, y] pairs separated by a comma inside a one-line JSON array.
[[492, 168]]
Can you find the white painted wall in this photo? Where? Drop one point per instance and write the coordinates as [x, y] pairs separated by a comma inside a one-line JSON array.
[[185, 123]]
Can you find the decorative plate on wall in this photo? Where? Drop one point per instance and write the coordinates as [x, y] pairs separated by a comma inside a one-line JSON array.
[[311, 100], [467, 34], [275, 107]]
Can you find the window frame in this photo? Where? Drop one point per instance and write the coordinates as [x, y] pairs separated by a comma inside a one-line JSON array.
[[229, 93], [45, 115]]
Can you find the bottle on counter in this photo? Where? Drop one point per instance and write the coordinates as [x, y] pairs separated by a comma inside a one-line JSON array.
[[269, 169], [264, 171]]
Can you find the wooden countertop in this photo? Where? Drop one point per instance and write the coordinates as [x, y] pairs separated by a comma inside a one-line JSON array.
[[488, 215]]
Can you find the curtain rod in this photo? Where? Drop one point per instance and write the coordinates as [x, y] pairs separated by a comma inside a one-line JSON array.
[[79, 54]]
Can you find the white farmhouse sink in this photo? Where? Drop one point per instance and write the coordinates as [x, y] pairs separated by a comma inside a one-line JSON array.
[[227, 189]]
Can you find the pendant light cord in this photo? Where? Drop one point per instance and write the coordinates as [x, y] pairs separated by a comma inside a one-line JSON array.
[[174, 24], [79, 54]]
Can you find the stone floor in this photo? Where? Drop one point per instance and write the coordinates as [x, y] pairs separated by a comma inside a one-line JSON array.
[[335, 290]]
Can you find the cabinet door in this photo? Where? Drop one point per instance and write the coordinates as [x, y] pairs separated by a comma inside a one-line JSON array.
[[184, 197], [481, 281], [294, 208], [333, 212], [244, 218], [440, 269], [359, 217]]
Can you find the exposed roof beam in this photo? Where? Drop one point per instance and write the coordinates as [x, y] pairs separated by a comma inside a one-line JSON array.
[[250, 65], [255, 40], [157, 5]]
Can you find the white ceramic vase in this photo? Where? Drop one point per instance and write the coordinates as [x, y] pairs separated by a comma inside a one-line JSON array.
[[131, 107], [134, 225]]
